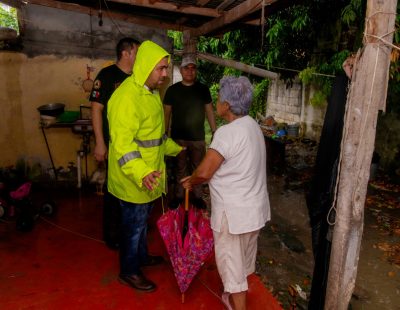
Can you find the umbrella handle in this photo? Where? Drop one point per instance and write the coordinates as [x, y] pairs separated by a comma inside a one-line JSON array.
[[186, 199]]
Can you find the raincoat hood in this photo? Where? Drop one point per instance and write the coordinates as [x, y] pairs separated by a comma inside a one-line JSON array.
[[148, 56]]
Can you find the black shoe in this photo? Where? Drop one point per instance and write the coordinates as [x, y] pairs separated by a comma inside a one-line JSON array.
[[138, 282], [153, 260]]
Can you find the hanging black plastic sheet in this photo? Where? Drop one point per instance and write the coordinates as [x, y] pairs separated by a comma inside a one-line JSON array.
[[322, 190]]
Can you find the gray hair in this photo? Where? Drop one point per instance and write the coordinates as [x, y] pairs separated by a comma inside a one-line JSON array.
[[238, 92]]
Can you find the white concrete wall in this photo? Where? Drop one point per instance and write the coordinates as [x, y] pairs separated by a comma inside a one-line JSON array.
[[284, 103], [291, 104]]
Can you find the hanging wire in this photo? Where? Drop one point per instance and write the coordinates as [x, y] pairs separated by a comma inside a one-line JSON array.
[[100, 15], [91, 29], [262, 20], [91, 38], [112, 20]]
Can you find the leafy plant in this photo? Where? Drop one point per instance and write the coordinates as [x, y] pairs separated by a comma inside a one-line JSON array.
[[318, 98], [352, 12], [306, 75], [259, 98], [8, 18], [320, 77], [177, 36]]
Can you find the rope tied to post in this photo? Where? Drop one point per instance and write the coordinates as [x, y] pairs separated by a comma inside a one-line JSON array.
[[379, 38], [331, 215]]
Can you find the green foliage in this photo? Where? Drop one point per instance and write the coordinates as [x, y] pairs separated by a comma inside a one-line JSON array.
[[314, 38], [317, 76], [259, 98], [288, 41], [276, 30], [301, 19], [394, 73], [307, 75], [9, 18], [352, 12], [318, 98], [177, 36], [397, 30], [338, 59], [214, 89], [214, 92]]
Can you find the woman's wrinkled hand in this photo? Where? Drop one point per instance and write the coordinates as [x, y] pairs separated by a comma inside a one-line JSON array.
[[185, 182]]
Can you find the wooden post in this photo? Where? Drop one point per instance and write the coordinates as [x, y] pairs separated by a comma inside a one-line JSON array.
[[366, 96], [238, 66], [189, 43]]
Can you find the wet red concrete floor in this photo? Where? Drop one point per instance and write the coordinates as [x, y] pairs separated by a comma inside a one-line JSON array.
[[63, 264]]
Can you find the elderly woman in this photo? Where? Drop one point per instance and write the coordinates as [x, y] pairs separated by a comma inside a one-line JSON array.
[[235, 167]]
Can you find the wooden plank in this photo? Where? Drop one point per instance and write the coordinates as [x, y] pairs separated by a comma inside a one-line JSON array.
[[202, 2], [230, 16], [238, 66], [224, 4], [168, 6], [366, 96], [189, 43], [116, 16], [13, 3]]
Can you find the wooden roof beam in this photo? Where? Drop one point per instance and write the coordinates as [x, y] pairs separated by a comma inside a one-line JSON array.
[[167, 6], [107, 14], [202, 2], [230, 16], [225, 4], [12, 3]]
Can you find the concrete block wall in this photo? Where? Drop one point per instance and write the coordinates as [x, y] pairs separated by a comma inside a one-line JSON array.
[[284, 103], [290, 103]]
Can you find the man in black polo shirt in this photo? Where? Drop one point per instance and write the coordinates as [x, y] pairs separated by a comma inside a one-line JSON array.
[[189, 102]]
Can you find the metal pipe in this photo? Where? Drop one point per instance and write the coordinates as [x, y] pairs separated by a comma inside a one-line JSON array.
[[79, 169], [48, 150]]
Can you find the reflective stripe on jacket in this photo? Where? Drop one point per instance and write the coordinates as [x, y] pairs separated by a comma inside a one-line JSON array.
[[138, 143]]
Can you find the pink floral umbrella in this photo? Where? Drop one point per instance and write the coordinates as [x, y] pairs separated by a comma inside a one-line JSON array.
[[187, 254]]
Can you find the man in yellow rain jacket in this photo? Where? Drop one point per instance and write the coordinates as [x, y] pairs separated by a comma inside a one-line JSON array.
[[136, 173]]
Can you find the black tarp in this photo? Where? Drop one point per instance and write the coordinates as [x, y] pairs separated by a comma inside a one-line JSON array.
[[321, 194]]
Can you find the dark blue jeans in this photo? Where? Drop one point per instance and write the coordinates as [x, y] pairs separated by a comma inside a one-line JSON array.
[[133, 247]]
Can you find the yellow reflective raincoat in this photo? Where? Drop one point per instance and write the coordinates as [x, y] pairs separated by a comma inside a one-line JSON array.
[[137, 141]]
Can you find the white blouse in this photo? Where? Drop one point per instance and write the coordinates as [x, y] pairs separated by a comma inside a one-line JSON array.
[[239, 186]]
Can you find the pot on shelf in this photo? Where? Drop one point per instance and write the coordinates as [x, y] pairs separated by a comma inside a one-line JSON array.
[[51, 109]]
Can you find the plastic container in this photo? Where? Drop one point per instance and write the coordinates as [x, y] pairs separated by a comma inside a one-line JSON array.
[[293, 130], [281, 133], [69, 117]]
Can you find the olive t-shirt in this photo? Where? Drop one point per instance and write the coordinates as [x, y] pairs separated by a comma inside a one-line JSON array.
[[188, 110]]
